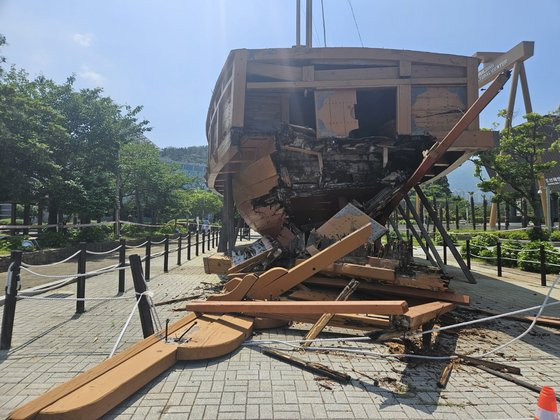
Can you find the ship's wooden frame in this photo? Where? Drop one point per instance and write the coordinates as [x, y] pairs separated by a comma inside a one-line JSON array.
[[260, 91]]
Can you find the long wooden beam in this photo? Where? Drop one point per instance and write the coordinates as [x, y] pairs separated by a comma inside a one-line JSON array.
[[381, 307], [447, 296], [495, 63]]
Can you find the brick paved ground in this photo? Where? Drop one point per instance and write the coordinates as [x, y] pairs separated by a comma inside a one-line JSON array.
[[51, 345]]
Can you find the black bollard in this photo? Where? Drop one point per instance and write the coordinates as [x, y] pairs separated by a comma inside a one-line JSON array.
[[10, 301]]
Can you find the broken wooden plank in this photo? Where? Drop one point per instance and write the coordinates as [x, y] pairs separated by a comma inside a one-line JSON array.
[[266, 288], [380, 307], [250, 262], [183, 299], [513, 379], [217, 264], [383, 262], [418, 315], [473, 361], [541, 320], [446, 374], [314, 367], [325, 318], [350, 321], [443, 295]]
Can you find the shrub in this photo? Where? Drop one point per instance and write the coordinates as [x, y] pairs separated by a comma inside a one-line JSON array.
[[516, 235], [11, 243], [537, 234], [170, 229], [93, 234], [510, 253], [438, 239], [555, 235], [529, 257], [134, 231], [53, 239]]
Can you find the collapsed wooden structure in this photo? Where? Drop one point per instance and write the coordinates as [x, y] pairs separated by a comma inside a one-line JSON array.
[[220, 325]]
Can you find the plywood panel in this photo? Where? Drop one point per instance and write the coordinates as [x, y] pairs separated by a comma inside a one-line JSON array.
[[437, 108], [334, 112]]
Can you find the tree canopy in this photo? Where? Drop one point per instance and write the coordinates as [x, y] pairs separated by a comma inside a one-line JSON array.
[[517, 161]]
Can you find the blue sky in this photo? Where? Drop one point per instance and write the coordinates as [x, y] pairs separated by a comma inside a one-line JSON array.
[[166, 55]]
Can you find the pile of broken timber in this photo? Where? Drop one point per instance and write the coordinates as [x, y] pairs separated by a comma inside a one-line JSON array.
[[382, 296]]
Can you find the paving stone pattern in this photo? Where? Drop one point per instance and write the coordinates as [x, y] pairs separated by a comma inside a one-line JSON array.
[[52, 345]]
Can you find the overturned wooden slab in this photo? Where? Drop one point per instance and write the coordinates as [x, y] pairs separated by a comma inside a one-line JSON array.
[[380, 307], [216, 264], [349, 321], [442, 295], [94, 392]]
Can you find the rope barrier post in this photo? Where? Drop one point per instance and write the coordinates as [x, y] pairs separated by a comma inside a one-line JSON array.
[[484, 211], [468, 246], [81, 282], [447, 218], [10, 301], [166, 254], [179, 248], [444, 253], [543, 264], [148, 258], [499, 258], [498, 215], [196, 245], [189, 247], [457, 216], [472, 213], [507, 215], [203, 240], [140, 288], [208, 244], [122, 263]]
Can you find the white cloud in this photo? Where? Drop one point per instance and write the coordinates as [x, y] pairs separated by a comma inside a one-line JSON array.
[[84, 40], [91, 76]]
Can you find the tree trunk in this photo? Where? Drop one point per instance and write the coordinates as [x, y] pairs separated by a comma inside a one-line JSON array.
[[39, 214], [26, 218], [53, 212], [139, 217]]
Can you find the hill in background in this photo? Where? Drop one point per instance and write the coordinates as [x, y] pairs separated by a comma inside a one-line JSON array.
[[193, 154]]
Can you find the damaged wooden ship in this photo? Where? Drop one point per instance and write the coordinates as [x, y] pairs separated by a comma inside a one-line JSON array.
[[299, 132]]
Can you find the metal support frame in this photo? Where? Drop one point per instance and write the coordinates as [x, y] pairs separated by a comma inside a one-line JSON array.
[[447, 240]]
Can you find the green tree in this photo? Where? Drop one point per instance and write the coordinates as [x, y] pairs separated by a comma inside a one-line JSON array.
[[517, 160], [203, 203]]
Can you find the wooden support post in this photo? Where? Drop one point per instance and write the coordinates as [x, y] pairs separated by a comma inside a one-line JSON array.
[[325, 318], [189, 246], [473, 217], [427, 338], [203, 240], [147, 262], [230, 221], [425, 234], [415, 233], [197, 239], [81, 281], [542, 255], [468, 248], [11, 290], [166, 254], [499, 258], [445, 236], [179, 248], [140, 288], [122, 263], [447, 218]]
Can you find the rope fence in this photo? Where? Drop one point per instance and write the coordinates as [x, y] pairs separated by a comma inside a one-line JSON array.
[[542, 263], [185, 243]]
